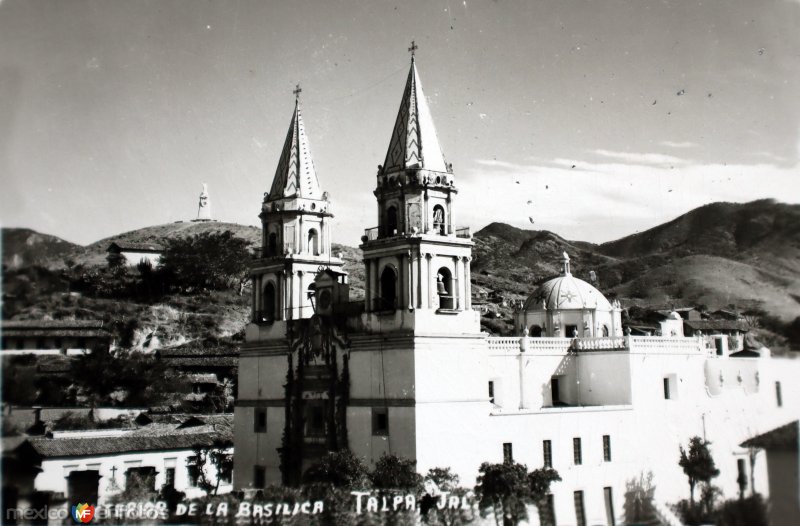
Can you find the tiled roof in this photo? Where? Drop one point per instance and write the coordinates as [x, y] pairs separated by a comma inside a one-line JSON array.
[[206, 361], [136, 247], [717, 325], [196, 351], [783, 438], [51, 324], [202, 378], [53, 333], [194, 354], [91, 446], [157, 436]]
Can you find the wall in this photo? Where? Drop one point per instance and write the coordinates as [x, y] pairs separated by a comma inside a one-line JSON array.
[[134, 258], [55, 471], [784, 487]]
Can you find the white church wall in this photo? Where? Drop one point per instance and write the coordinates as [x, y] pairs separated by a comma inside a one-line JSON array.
[[370, 446], [379, 374], [450, 368], [603, 378], [262, 377]]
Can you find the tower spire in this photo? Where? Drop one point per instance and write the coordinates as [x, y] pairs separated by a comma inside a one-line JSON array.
[[414, 143], [296, 175]]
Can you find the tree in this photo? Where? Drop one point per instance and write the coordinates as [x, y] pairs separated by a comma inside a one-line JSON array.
[[215, 456], [697, 464], [505, 489], [342, 469], [540, 481], [394, 472], [211, 260], [441, 484], [751, 511], [141, 379]]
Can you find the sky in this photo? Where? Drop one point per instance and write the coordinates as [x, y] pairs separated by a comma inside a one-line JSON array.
[[592, 119]]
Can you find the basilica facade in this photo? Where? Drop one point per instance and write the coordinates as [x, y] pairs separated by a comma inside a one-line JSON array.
[[408, 371]]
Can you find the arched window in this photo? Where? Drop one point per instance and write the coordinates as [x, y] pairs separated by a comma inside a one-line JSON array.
[[444, 288], [268, 303], [439, 220], [535, 331], [313, 242], [272, 244], [388, 297], [391, 221], [605, 331]]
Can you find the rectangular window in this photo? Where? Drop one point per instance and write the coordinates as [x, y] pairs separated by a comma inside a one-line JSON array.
[[169, 477], [778, 394], [580, 512], [491, 392], [508, 453], [609, 497], [666, 388], [576, 451], [193, 472], [380, 421], [547, 450], [741, 479], [554, 391], [260, 420], [259, 476], [547, 513], [607, 448]]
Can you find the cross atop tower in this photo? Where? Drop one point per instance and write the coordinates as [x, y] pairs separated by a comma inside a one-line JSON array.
[[297, 91], [413, 48]]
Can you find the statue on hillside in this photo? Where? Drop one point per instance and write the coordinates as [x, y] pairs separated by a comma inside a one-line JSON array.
[[204, 206]]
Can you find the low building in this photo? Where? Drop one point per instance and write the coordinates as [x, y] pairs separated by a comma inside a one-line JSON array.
[[722, 335], [783, 472], [97, 465], [131, 254], [220, 359], [53, 336]]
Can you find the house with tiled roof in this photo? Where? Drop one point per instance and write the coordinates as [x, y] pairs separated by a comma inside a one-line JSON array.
[[220, 358], [131, 254], [96, 465], [53, 336]]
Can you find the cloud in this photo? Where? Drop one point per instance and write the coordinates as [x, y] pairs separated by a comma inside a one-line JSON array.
[[601, 201], [673, 144], [640, 158]]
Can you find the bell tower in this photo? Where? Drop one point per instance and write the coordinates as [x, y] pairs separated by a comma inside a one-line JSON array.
[[295, 232], [417, 260]]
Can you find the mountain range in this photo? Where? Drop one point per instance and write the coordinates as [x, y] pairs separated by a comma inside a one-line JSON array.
[[721, 255]]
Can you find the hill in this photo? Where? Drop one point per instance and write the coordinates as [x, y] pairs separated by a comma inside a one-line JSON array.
[[764, 232], [95, 253], [723, 254], [25, 247]]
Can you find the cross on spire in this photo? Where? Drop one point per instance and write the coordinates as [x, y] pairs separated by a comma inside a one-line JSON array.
[[297, 91], [413, 48]]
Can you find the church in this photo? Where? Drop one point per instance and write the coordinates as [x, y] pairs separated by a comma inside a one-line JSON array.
[[408, 371]]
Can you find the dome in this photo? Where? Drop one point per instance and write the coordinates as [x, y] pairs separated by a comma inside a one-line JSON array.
[[566, 292]]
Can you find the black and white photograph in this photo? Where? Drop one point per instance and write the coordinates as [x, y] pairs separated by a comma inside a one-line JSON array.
[[384, 262]]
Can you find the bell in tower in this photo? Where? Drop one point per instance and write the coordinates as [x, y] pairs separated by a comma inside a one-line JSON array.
[[417, 259], [296, 240]]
